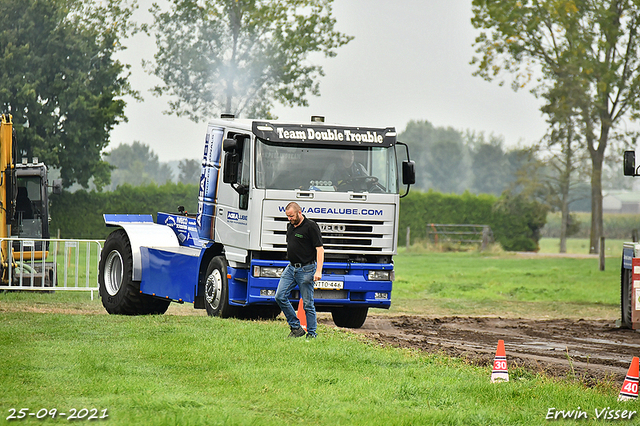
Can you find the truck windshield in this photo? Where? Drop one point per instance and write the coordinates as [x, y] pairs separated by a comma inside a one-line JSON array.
[[325, 168]]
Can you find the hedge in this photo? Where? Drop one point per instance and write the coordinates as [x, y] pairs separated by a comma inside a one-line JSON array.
[[79, 214], [514, 220]]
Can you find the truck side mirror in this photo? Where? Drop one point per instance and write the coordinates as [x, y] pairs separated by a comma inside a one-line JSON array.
[[56, 186], [629, 164], [408, 172], [231, 165], [230, 145], [231, 161]]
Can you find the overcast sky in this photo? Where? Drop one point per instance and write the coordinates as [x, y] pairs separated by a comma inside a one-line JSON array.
[[409, 61]]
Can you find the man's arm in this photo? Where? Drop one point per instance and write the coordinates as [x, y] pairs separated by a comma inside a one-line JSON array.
[[319, 262]]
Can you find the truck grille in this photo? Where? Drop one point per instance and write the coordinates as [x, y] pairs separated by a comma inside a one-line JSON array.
[[338, 235]]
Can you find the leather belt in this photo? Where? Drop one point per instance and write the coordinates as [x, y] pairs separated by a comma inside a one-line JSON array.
[[300, 265]]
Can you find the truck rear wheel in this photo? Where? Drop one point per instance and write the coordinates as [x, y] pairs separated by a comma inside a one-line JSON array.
[[216, 289], [119, 293], [349, 317], [625, 297]]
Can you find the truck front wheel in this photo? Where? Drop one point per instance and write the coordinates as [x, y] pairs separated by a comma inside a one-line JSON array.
[[216, 289], [349, 317], [119, 293]]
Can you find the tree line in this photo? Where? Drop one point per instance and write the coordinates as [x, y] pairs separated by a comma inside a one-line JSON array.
[[137, 164], [453, 161], [63, 85], [583, 58]]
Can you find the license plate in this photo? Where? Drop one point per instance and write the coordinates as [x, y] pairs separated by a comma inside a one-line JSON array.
[[329, 285]]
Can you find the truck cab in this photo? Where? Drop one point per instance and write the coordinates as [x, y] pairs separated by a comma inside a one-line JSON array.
[[345, 178], [31, 219]]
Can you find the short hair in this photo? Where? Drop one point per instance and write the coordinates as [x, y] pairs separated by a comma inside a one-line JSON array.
[[293, 205]]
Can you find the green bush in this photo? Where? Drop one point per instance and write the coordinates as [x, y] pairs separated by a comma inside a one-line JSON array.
[[79, 214], [514, 220]]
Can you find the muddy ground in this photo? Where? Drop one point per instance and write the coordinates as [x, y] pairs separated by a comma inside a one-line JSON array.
[[589, 350]]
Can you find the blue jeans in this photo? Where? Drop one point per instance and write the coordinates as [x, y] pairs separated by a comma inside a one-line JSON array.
[[303, 278]]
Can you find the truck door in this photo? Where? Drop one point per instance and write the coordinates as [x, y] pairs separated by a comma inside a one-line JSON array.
[[232, 228]]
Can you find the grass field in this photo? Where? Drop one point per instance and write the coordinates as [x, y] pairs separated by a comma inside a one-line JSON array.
[[506, 285], [60, 351], [580, 246]]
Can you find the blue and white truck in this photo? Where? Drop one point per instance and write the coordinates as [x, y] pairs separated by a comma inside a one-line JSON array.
[[228, 257]]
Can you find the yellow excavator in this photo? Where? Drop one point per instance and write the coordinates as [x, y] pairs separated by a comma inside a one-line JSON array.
[[24, 215]]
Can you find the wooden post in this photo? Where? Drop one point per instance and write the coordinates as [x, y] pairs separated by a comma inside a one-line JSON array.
[[485, 238], [634, 235], [602, 253], [408, 236]]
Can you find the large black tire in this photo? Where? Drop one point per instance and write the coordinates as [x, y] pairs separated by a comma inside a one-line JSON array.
[[216, 290], [349, 317], [626, 295], [119, 293]]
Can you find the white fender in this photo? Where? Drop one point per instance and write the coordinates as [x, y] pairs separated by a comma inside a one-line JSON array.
[[146, 234]]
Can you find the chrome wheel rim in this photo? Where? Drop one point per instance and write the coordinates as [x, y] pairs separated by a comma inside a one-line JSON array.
[[113, 271], [213, 289]]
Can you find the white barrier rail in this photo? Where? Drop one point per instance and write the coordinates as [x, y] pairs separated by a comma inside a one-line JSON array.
[[66, 264]]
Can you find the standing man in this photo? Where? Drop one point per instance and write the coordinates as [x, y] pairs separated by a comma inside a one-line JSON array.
[[306, 257]]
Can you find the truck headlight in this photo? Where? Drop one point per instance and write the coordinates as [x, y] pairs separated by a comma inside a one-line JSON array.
[[267, 271], [379, 275]]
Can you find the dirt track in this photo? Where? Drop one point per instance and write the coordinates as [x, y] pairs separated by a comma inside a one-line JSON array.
[[584, 349]]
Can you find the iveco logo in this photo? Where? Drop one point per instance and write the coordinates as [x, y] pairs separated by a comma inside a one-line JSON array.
[[329, 227]]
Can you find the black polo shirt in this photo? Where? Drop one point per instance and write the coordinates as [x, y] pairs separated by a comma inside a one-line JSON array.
[[302, 241]]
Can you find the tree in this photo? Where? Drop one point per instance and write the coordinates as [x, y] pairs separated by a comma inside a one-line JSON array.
[[189, 171], [567, 160], [591, 43], [241, 56], [419, 135], [490, 165], [446, 166], [441, 154], [562, 185], [136, 165], [60, 81]]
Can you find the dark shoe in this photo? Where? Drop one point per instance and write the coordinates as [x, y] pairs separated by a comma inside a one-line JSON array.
[[311, 336], [297, 332]]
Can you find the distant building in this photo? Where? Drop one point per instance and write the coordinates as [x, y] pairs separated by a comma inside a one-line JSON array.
[[623, 202]]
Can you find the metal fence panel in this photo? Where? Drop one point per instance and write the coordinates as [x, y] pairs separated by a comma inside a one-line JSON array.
[[460, 233], [50, 264]]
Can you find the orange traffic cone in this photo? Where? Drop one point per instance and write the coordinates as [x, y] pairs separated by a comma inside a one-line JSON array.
[[630, 386], [302, 316], [500, 372]]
